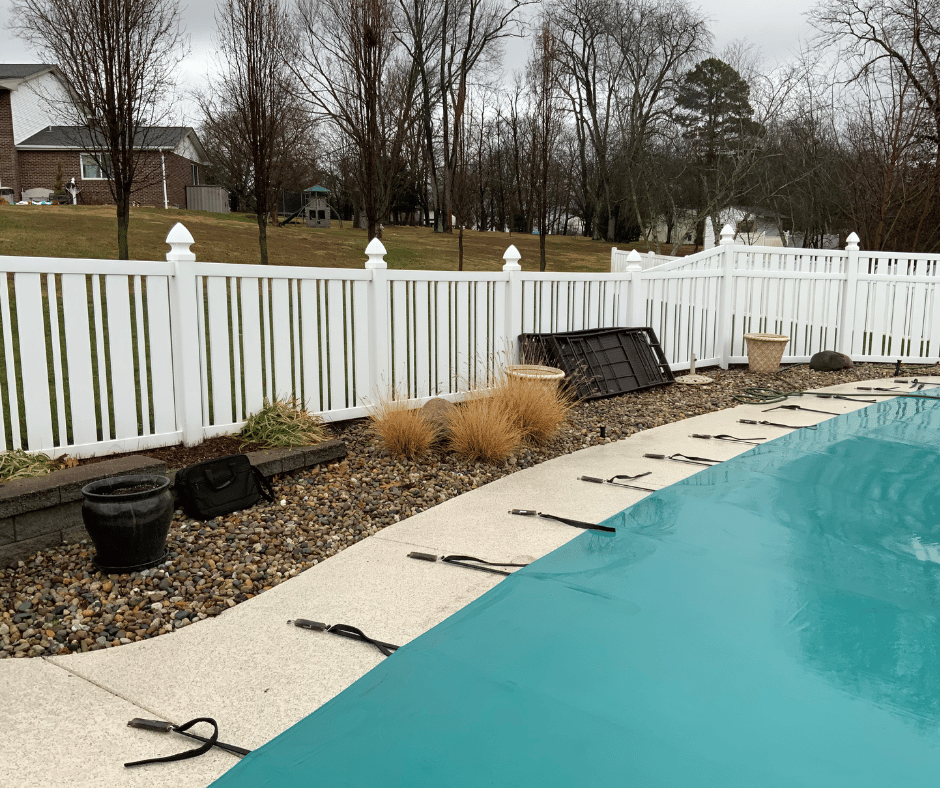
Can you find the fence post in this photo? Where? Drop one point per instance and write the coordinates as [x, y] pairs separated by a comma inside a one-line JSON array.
[[513, 303], [849, 295], [187, 374], [614, 268], [725, 315], [380, 363], [636, 316]]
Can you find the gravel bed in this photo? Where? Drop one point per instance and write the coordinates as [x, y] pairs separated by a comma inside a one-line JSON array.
[[55, 602]]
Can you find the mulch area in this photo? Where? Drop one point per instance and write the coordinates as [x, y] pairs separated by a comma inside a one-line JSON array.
[[180, 456]]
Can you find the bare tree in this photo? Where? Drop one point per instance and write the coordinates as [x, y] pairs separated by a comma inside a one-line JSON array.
[[592, 67], [253, 97], [350, 66], [659, 39], [116, 59], [543, 76], [897, 43], [904, 33], [450, 41], [255, 94]]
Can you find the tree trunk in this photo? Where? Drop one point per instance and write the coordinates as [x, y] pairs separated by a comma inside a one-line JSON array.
[[542, 249], [123, 222], [460, 249], [263, 237]]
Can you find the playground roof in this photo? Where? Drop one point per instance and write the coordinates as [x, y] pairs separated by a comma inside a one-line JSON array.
[[318, 189]]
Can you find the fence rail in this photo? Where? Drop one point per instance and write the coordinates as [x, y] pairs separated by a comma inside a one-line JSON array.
[[99, 356]]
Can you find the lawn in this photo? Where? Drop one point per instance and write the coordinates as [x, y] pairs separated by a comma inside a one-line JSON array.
[[90, 231]]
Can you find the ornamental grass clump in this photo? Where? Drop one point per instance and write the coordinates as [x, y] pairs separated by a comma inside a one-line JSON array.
[[484, 430], [18, 464], [404, 431], [283, 424], [537, 407]]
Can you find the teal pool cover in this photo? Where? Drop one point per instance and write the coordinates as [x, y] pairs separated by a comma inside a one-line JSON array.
[[772, 621]]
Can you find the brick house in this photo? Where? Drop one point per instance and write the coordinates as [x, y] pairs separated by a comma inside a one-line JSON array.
[[33, 147]]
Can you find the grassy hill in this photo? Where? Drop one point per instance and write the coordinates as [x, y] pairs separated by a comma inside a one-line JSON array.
[[90, 231]]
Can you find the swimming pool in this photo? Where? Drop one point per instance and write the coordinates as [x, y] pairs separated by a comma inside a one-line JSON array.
[[771, 621]]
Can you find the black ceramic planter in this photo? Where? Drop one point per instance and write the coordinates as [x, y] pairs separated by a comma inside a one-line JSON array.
[[128, 518]]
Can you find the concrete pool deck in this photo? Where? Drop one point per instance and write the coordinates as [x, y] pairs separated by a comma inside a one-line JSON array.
[[65, 718]]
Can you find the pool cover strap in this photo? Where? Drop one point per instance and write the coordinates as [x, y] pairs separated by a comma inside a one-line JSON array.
[[684, 458], [800, 407], [211, 742], [774, 424], [612, 481], [852, 398], [752, 441], [346, 631], [565, 520], [466, 561]]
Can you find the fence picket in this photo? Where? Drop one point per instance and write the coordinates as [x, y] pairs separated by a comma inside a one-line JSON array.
[[78, 351], [236, 360], [55, 341], [31, 323], [219, 347], [310, 329], [336, 324], [281, 349], [267, 353], [161, 355], [252, 349], [100, 359], [124, 402]]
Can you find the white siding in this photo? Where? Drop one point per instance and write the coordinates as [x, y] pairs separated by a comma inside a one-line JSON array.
[[31, 109], [186, 149]]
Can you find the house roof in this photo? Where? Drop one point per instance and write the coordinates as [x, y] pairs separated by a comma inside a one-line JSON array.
[[21, 70], [12, 75], [79, 138]]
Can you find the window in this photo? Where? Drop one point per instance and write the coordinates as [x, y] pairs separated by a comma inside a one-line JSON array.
[[194, 170], [91, 169]]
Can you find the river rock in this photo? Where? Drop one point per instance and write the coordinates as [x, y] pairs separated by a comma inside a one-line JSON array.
[[439, 412], [829, 361]]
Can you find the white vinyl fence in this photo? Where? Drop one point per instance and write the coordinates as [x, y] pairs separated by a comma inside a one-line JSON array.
[[99, 356], [620, 258]]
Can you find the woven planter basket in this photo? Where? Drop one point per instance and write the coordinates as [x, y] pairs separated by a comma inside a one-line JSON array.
[[764, 351], [535, 372]]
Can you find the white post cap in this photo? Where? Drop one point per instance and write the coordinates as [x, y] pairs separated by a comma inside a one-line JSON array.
[[180, 239], [851, 243], [376, 251], [634, 261], [727, 234], [512, 258]]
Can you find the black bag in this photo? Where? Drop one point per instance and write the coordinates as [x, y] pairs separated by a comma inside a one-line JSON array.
[[226, 484]]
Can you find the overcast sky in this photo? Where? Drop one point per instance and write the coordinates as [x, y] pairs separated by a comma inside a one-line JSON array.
[[775, 27]]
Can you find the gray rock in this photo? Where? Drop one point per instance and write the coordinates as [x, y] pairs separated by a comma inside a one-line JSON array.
[[829, 361], [439, 412]]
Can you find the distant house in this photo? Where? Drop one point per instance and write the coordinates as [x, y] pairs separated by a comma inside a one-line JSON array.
[[33, 146]]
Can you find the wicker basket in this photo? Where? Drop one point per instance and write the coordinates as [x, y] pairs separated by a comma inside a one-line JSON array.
[[535, 372], [764, 351]]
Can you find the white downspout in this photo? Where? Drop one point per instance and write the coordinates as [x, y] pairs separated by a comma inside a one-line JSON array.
[[166, 202]]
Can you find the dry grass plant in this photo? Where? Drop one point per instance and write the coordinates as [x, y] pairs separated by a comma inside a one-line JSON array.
[[18, 464], [484, 430], [403, 430], [538, 408], [283, 423]]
